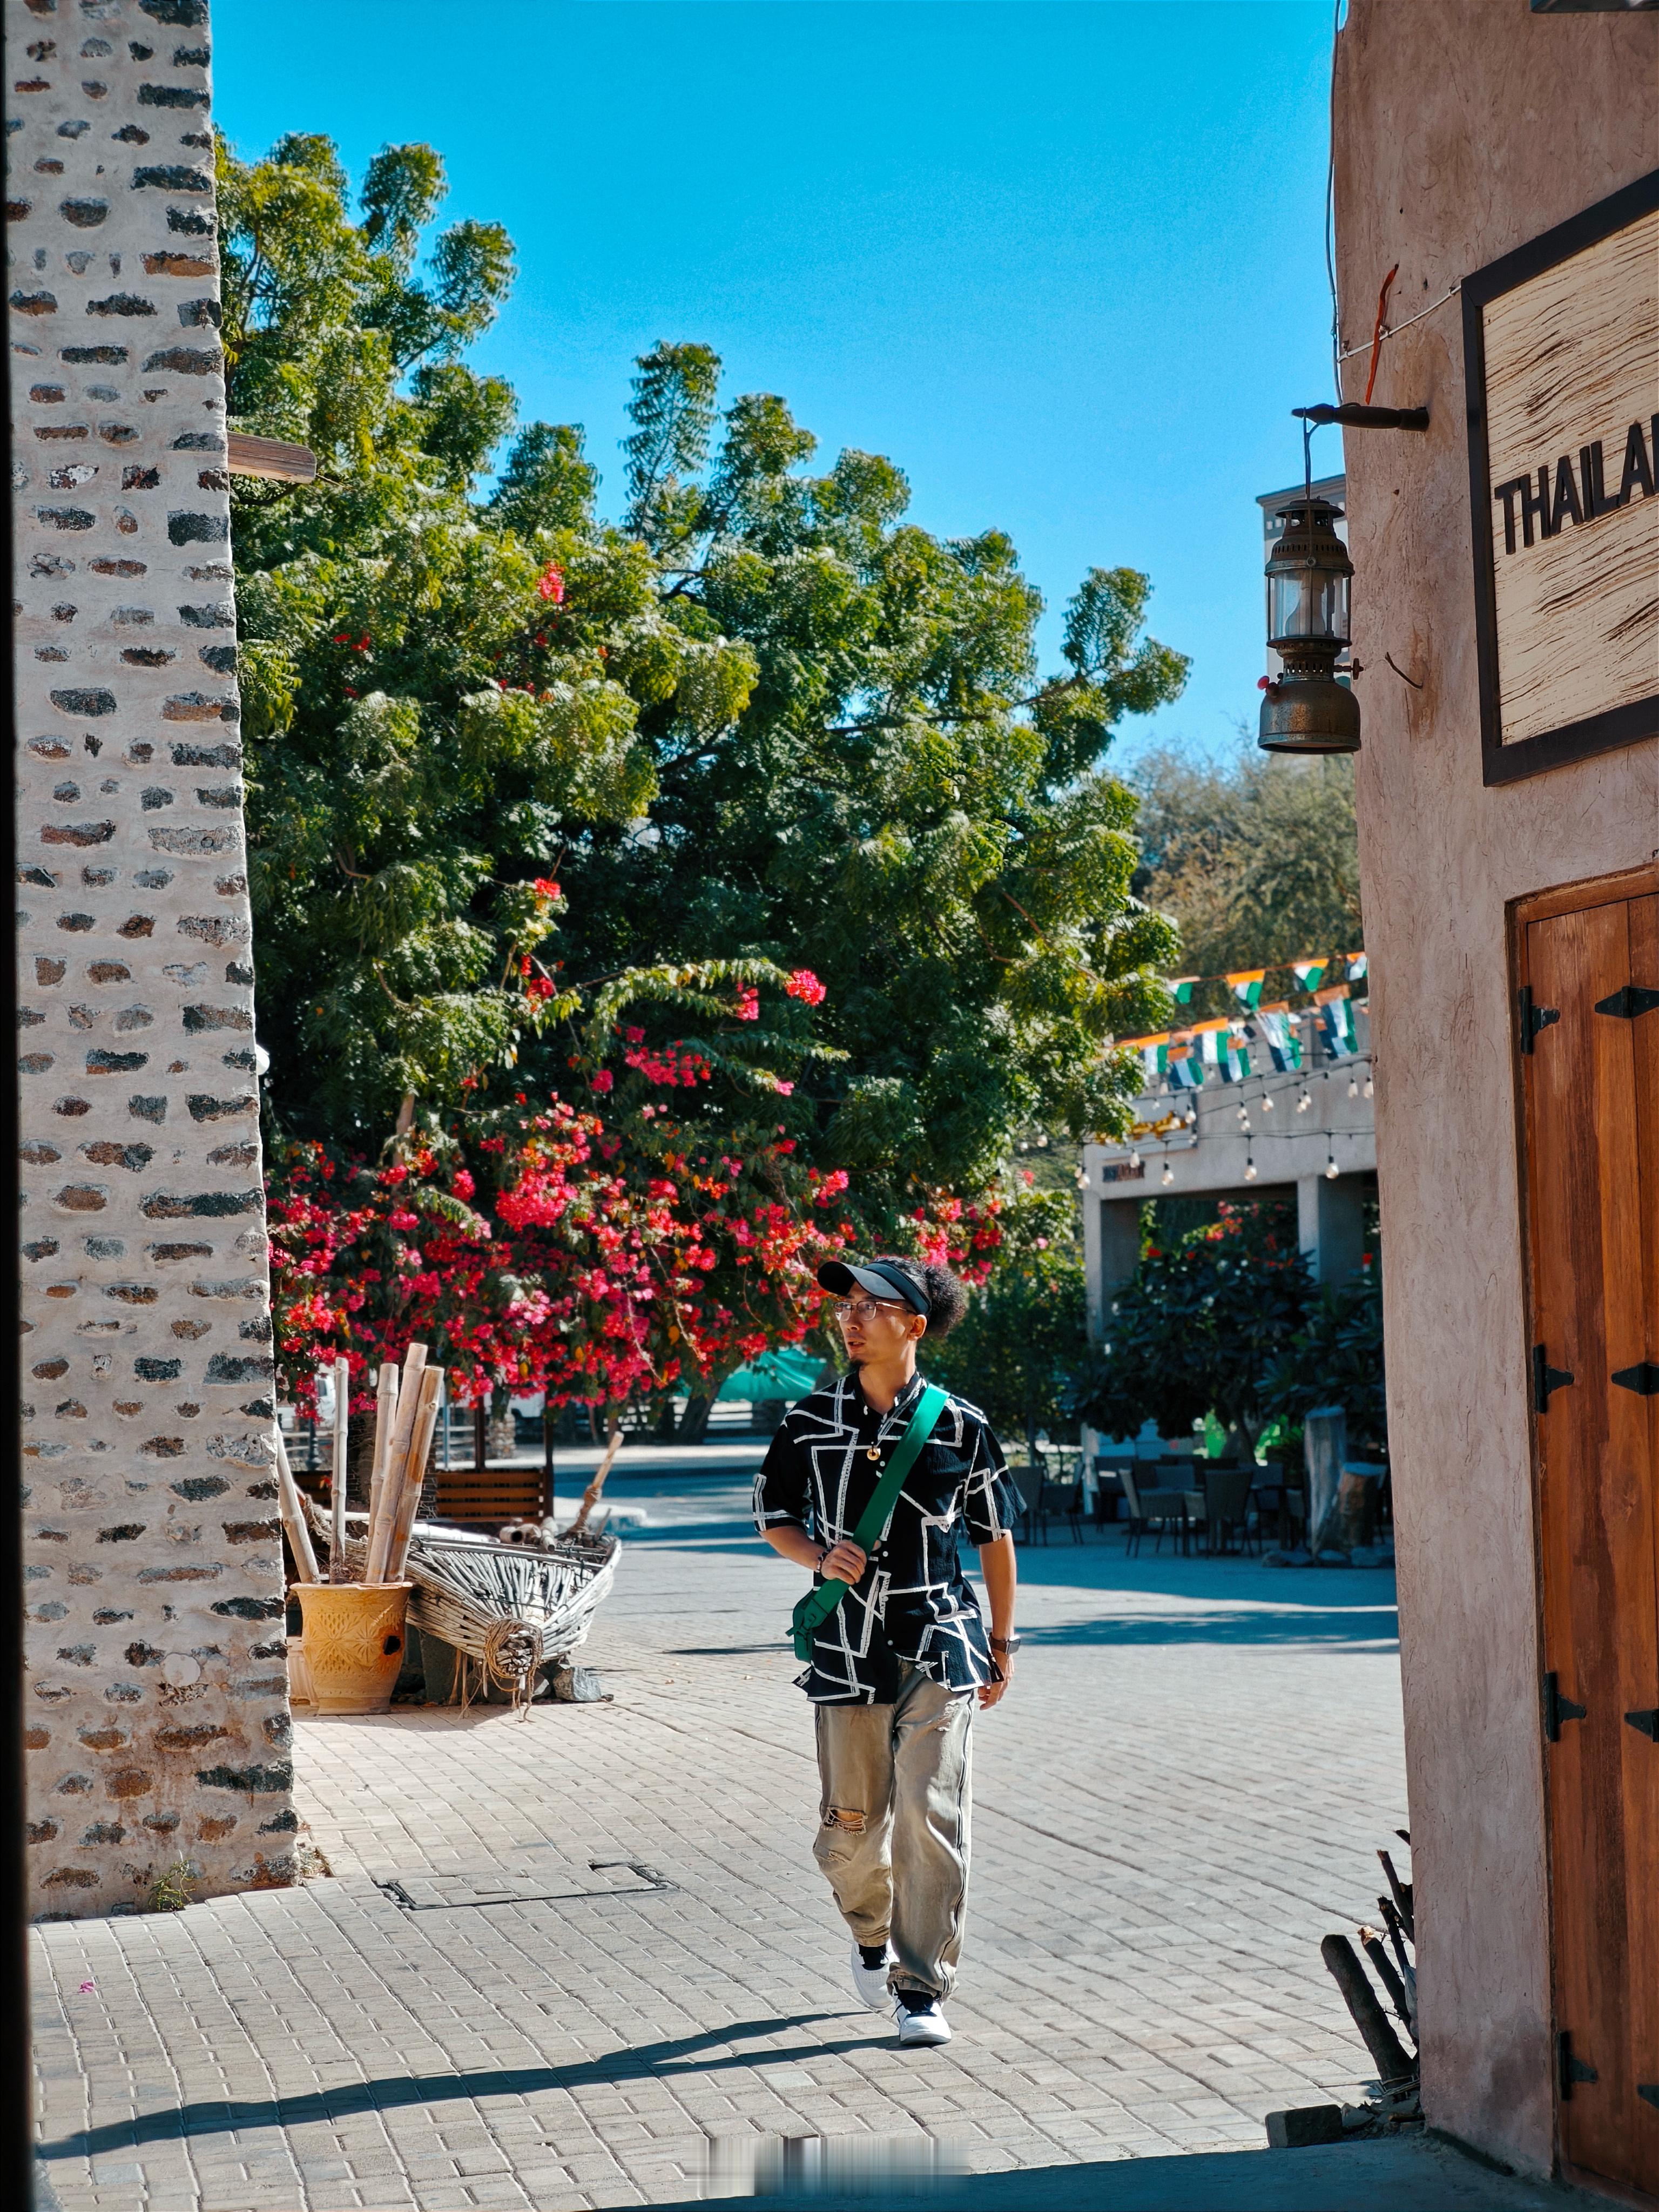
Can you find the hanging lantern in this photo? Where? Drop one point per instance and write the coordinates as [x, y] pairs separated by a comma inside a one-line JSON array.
[[1305, 709]]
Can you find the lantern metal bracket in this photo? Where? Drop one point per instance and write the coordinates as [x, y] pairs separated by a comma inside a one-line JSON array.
[[1352, 416]]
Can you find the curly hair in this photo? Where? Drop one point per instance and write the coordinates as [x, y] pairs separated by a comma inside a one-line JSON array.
[[947, 1298]]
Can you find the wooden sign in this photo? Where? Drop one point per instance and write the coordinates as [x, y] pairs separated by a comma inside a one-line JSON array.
[[1561, 358], [270, 457]]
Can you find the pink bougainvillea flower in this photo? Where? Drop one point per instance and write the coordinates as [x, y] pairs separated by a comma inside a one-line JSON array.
[[803, 984], [604, 1081], [748, 1005], [550, 584]]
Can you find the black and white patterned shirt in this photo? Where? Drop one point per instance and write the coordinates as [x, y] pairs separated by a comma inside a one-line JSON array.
[[914, 1602]]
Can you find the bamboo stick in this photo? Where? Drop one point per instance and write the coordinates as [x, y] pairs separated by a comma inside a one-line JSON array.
[[595, 1489], [379, 1535], [294, 1517], [338, 1570], [414, 1475], [386, 1415]]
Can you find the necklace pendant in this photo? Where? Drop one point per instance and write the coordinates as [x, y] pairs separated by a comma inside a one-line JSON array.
[[873, 1452]]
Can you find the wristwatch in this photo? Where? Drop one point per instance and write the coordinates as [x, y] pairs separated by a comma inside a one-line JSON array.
[[1006, 1644]]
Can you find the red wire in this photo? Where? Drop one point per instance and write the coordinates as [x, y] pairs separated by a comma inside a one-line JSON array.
[[1376, 335]]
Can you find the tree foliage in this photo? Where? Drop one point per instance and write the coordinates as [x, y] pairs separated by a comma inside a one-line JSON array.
[[1017, 1351], [1336, 1357], [1197, 1331], [514, 771], [1256, 859]]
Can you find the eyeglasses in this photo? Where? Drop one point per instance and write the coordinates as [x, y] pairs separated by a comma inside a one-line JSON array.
[[845, 1309]]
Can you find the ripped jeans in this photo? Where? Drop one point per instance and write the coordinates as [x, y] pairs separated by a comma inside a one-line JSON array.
[[893, 1823]]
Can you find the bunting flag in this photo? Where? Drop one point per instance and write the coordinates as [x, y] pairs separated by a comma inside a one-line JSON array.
[[1186, 1070], [1309, 974], [1154, 1056], [1358, 965], [1180, 988], [1275, 1029], [1222, 1049], [1246, 986], [1336, 1020]]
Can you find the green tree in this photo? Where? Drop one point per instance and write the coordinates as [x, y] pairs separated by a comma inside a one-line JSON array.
[[1256, 859], [1336, 1357], [1206, 1317], [765, 724], [1017, 1351]]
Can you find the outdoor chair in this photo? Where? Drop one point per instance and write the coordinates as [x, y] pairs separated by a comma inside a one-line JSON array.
[[1168, 1509], [1060, 1498], [1227, 1505], [1131, 1503]]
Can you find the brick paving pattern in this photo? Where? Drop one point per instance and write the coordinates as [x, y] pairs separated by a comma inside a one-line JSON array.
[[1183, 1795]]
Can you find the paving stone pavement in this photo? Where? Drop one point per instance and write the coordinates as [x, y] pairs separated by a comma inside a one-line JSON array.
[[1184, 1791]]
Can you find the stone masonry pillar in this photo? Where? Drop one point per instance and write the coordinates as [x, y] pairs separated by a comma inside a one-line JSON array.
[[157, 1706]]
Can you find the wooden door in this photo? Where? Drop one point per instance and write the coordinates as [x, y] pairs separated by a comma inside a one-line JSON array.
[[1589, 1022]]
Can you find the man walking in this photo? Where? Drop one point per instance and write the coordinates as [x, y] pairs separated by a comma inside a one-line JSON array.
[[898, 1664]]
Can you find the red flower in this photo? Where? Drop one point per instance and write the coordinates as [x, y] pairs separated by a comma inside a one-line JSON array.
[[748, 1007], [604, 1081], [803, 984], [550, 584]]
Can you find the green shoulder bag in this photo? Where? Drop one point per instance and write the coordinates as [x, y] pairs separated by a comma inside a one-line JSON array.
[[818, 1605]]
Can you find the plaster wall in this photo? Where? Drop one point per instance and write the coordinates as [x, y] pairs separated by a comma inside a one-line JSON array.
[[157, 1709], [1463, 129]]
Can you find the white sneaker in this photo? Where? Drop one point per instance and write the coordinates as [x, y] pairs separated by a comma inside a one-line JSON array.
[[871, 1982], [929, 2025]]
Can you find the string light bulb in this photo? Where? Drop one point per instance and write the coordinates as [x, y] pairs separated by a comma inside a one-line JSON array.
[[1190, 1117], [1304, 1101], [1354, 1086], [1267, 1101], [1368, 1086], [1249, 1170], [1243, 1113], [1134, 1158], [1330, 1167], [1168, 1172]]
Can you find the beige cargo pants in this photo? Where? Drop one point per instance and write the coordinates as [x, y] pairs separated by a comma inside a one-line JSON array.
[[893, 1823]]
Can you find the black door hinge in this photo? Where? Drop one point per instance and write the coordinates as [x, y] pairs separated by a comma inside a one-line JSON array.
[[1570, 2069], [1645, 1724], [1642, 1378], [1545, 1378], [1558, 1709], [1534, 1017], [1625, 1005]]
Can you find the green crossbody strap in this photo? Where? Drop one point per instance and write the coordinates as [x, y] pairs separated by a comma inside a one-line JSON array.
[[819, 1604]]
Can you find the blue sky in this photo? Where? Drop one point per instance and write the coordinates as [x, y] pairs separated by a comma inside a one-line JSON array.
[[1064, 264]]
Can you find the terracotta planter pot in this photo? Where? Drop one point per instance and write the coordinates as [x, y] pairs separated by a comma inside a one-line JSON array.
[[354, 1642]]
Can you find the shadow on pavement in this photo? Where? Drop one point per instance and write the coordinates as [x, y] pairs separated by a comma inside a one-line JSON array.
[[690, 2054], [1412, 2174], [1378, 1627]]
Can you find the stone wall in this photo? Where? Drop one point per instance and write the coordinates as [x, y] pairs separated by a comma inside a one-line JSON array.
[[157, 1708]]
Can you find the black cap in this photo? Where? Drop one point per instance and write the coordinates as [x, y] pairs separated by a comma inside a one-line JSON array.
[[880, 1278]]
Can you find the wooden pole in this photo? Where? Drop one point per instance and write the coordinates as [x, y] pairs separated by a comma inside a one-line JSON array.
[[408, 1407], [294, 1517], [1387, 2051], [414, 1475], [338, 1570], [386, 1415], [595, 1489]]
